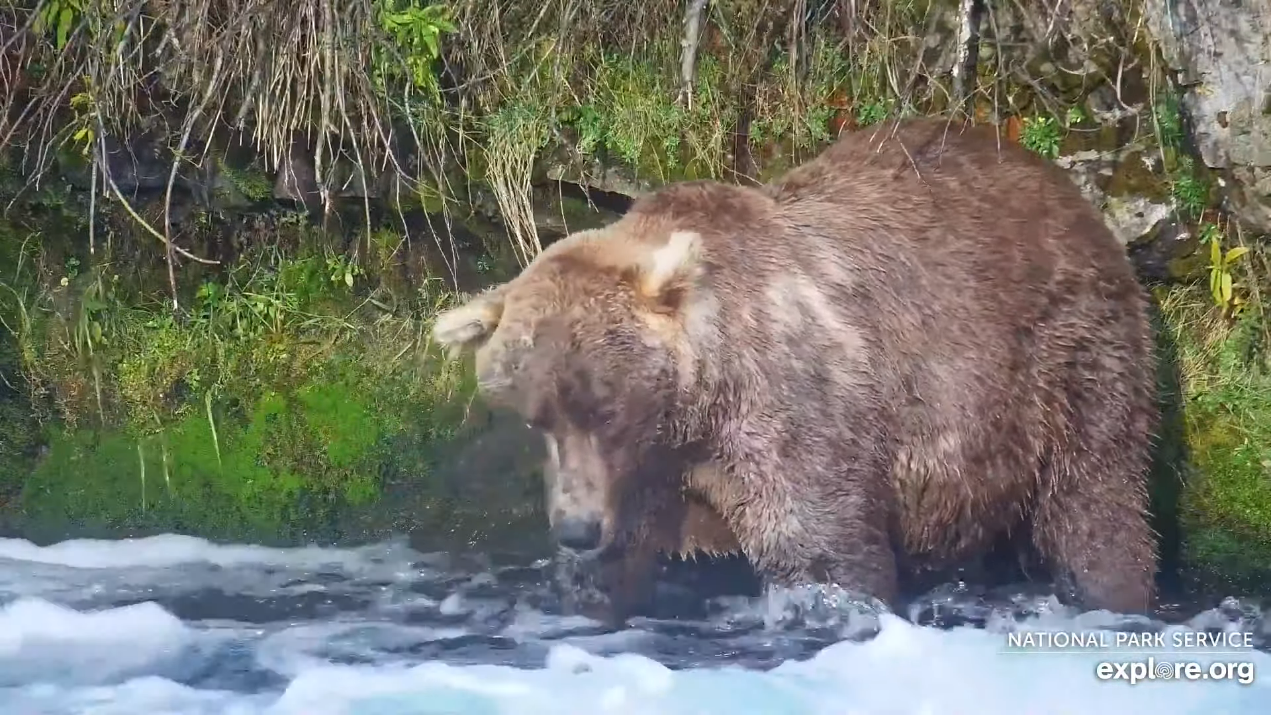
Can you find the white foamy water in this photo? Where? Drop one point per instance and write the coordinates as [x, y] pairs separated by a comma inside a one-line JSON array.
[[176, 625]]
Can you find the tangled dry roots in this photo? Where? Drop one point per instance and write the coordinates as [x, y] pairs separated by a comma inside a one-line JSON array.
[[351, 84]]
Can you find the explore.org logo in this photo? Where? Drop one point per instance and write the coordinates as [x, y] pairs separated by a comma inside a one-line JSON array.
[[1172, 655]]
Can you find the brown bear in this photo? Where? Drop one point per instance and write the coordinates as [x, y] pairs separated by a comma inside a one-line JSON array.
[[921, 341]]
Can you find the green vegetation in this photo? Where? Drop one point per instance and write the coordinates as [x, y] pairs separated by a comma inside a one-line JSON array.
[[1041, 135], [1226, 375], [1222, 335], [267, 406]]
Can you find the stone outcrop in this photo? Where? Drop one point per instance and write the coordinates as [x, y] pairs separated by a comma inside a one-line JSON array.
[[1220, 54]]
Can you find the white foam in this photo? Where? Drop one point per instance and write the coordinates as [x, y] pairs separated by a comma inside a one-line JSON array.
[[149, 695], [55, 660], [43, 641], [906, 669], [131, 568], [173, 549]]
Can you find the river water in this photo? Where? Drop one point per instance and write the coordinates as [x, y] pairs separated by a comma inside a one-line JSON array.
[[177, 625]]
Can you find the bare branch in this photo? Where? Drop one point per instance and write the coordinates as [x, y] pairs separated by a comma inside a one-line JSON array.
[[970, 15], [688, 49], [190, 121]]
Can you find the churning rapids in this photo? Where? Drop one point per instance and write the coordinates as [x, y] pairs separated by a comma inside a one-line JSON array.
[[177, 625]]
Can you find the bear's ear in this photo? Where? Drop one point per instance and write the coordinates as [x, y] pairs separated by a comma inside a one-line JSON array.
[[470, 323], [670, 270]]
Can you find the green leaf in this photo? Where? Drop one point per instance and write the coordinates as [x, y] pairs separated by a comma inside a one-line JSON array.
[[64, 21], [348, 278], [1226, 288], [42, 20], [1215, 253], [1235, 253]]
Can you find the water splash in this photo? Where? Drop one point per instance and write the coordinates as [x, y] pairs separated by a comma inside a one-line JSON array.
[[179, 625]]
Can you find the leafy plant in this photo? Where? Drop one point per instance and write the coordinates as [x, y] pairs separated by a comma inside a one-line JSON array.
[[1041, 135], [1191, 194], [870, 113], [1221, 284], [59, 15], [340, 269], [417, 32], [85, 116]]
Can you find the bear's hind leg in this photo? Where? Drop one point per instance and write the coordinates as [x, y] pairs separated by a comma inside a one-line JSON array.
[[1091, 522]]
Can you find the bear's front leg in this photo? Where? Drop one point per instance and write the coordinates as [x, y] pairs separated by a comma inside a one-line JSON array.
[[611, 590], [614, 587], [817, 518]]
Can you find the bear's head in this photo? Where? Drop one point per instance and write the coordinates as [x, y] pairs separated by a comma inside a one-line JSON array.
[[590, 345]]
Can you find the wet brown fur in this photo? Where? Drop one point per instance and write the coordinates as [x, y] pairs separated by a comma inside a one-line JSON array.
[[689, 530], [911, 345]]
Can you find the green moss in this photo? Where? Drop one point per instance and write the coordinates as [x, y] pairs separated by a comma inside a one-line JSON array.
[[1135, 177], [1234, 491], [260, 414], [97, 482], [1226, 505], [19, 434], [1219, 556], [282, 469], [253, 184]]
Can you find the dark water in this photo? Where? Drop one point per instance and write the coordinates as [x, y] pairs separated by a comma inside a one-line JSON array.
[[178, 625]]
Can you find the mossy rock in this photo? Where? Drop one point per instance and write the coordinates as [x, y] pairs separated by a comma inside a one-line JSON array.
[[107, 484], [1133, 175], [1189, 262], [1227, 503], [1221, 560], [278, 470], [1225, 508], [235, 187], [19, 433]]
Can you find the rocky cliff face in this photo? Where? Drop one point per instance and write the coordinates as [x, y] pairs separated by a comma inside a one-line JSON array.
[[1219, 54]]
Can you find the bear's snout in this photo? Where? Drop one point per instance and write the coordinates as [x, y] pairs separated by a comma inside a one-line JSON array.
[[578, 533]]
